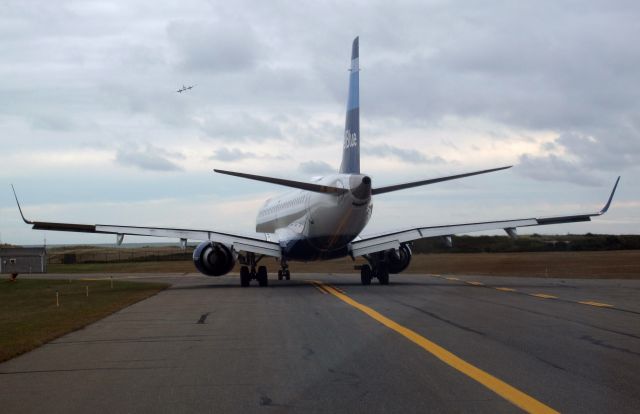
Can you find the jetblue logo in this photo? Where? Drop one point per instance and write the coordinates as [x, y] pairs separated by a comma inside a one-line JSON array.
[[350, 139]]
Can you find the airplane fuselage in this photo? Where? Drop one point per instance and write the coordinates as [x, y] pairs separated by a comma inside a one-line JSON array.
[[316, 226]]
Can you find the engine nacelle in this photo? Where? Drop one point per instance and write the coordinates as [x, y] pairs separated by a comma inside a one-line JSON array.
[[398, 260], [213, 259]]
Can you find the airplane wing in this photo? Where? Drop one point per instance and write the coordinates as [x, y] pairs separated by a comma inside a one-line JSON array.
[[239, 242], [393, 240]]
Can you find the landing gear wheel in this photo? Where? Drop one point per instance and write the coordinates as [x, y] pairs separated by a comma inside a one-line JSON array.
[[280, 276], [263, 279], [287, 274], [245, 277], [365, 275], [383, 275]]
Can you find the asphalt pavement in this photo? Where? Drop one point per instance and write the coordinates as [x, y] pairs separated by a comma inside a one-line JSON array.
[[324, 343]]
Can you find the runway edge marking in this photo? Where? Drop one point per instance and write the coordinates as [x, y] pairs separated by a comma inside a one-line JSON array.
[[506, 391]]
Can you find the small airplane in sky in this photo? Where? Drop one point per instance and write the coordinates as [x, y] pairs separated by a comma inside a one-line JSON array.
[[185, 88], [321, 219]]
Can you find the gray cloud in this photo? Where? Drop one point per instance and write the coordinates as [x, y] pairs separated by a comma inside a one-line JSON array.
[[235, 154], [409, 155], [239, 126], [553, 169], [148, 158], [588, 159], [214, 45], [316, 168], [52, 122]]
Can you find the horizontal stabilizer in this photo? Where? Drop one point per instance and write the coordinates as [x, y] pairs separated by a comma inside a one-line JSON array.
[[397, 187], [317, 188]]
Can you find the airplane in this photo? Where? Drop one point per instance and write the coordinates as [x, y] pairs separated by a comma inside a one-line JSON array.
[[185, 88], [318, 220]]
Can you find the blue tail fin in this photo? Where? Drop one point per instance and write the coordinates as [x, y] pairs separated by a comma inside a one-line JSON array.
[[351, 149]]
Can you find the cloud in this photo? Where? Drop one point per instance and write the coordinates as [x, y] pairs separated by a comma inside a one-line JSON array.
[[239, 126], [553, 169], [148, 158], [215, 45], [410, 155], [52, 122], [235, 154], [583, 159], [316, 168]]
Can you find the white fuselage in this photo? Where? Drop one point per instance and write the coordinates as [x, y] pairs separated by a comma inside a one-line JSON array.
[[312, 226]]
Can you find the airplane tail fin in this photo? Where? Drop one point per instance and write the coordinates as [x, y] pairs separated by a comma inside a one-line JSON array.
[[351, 148]]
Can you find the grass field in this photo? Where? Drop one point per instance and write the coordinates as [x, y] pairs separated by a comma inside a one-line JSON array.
[[623, 264], [29, 316]]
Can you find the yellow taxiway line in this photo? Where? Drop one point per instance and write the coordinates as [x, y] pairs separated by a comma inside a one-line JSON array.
[[598, 304], [506, 391], [543, 296], [537, 295]]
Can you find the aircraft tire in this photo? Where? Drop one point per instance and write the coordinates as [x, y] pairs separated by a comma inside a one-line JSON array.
[[365, 275], [383, 276], [287, 274], [280, 275], [263, 279], [245, 277]]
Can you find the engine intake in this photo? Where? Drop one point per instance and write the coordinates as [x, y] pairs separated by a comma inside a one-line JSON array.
[[398, 260], [213, 259]]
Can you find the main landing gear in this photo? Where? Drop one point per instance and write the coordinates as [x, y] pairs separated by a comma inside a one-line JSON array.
[[284, 273], [377, 268], [248, 273]]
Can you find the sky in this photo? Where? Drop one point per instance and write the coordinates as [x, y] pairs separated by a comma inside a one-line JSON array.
[[93, 131]]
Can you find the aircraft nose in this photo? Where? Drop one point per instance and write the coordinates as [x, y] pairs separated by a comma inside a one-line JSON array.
[[361, 186]]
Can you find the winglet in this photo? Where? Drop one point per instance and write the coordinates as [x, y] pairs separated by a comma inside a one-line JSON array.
[[19, 208], [606, 207]]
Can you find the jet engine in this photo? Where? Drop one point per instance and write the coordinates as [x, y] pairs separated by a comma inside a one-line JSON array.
[[398, 260], [213, 259]]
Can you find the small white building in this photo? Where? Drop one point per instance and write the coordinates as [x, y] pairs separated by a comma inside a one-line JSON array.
[[15, 260]]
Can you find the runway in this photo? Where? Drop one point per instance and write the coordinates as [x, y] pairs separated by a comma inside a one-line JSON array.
[[324, 343]]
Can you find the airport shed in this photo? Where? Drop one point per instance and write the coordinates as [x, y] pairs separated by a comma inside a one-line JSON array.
[[23, 260]]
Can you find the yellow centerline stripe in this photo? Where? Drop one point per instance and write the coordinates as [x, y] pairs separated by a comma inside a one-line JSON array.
[[506, 391], [319, 286], [338, 289], [538, 295], [544, 296], [598, 304]]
